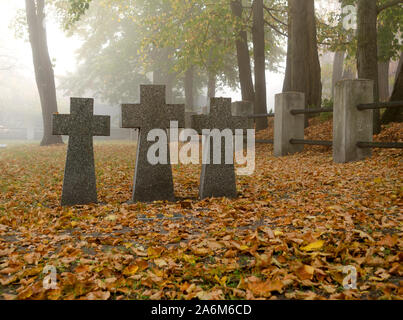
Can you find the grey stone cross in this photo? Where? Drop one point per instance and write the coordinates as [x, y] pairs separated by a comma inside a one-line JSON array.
[[218, 180], [152, 182], [79, 184]]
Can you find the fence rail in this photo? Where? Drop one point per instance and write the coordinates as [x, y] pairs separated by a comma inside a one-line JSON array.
[[269, 141], [263, 115], [386, 145], [312, 142], [310, 111], [380, 105]]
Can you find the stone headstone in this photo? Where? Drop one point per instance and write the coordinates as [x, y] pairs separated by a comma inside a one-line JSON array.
[[218, 180], [152, 182], [188, 119], [204, 110], [243, 109], [79, 184]]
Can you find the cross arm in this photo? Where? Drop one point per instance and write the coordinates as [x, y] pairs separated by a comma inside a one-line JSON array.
[[60, 124], [129, 118], [241, 123], [200, 122], [176, 112], [101, 126]]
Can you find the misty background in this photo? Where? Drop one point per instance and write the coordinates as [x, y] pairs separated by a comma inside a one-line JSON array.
[[20, 109], [19, 99]]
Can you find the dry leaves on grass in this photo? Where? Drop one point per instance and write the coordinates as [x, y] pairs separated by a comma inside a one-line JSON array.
[[296, 223]]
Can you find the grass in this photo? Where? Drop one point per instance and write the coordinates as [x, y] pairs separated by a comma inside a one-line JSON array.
[[300, 199]]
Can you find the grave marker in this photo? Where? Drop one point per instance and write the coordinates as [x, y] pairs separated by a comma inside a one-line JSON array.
[[79, 184], [152, 182], [218, 180]]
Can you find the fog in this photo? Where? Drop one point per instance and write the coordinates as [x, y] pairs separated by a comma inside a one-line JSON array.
[[19, 101]]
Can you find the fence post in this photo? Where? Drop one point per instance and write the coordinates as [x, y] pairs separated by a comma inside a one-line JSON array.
[[286, 125], [349, 124]]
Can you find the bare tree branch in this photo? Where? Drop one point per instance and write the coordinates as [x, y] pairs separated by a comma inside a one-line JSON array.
[[274, 17], [275, 29], [388, 5]]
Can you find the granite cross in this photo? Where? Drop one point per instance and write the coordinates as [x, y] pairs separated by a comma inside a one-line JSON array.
[[79, 184], [152, 182], [218, 180]]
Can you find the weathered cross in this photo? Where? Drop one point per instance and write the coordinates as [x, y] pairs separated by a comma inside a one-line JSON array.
[[79, 184], [152, 182], [218, 180]]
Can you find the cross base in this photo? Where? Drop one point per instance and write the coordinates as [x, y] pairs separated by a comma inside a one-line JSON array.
[[79, 184], [151, 182], [217, 180]]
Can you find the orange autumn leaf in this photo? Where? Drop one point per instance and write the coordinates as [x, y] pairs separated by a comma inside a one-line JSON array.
[[131, 270], [305, 272]]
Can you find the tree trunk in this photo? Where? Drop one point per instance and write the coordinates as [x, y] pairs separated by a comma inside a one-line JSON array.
[[44, 74], [338, 64], [162, 75], [303, 68], [395, 114], [260, 106], [170, 88], [189, 81], [167, 80], [383, 80], [244, 65], [349, 72], [367, 50], [211, 86], [397, 94], [287, 77], [399, 67]]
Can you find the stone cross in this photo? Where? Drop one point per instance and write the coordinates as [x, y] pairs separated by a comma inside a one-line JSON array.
[[218, 180], [79, 184], [152, 182]]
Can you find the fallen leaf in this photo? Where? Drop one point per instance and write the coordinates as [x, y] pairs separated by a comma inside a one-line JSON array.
[[305, 272], [314, 246], [131, 270], [98, 295]]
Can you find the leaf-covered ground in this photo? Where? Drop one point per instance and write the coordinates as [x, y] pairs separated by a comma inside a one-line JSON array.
[[297, 222]]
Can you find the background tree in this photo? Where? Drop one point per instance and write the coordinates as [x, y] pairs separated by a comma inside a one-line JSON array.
[[164, 38], [303, 67], [243, 57], [199, 31], [189, 88], [202, 36], [367, 49], [396, 114], [258, 35], [367, 45], [390, 47], [35, 11], [338, 64], [376, 42], [109, 59]]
